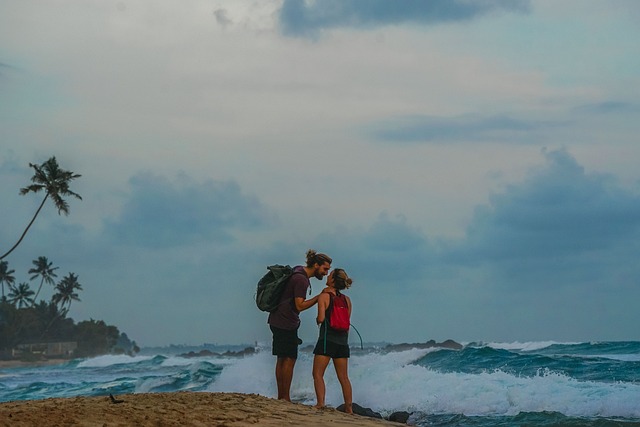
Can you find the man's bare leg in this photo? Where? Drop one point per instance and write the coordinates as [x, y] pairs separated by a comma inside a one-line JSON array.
[[284, 376]]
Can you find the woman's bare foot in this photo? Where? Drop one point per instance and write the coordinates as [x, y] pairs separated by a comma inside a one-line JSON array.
[[348, 408], [319, 407]]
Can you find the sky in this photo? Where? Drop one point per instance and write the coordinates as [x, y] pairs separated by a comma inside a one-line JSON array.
[[472, 165]]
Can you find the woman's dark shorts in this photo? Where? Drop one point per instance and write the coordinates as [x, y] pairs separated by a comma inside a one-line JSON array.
[[285, 342], [333, 350]]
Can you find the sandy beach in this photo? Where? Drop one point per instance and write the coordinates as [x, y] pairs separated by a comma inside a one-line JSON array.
[[174, 409]]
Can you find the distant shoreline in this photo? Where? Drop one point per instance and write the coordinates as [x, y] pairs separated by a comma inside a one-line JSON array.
[[8, 364], [451, 344]]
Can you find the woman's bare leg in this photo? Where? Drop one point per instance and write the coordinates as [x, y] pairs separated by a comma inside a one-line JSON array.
[[320, 364], [341, 365]]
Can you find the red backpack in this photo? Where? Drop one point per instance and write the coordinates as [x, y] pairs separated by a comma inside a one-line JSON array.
[[339, 314]]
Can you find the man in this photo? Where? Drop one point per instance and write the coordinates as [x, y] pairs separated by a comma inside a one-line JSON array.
[[284, 321]]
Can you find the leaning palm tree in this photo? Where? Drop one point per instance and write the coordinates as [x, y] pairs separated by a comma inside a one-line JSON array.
[[6, 276], [45, 270], [67, 291], [21, 295], [54, 181]]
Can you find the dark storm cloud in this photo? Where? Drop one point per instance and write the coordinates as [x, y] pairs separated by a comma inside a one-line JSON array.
[[560, 225], [222, 17], [302, 18], [462, 128], [160, 212]]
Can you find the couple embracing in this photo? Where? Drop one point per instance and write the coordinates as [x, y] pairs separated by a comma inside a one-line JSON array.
[[332, 342]]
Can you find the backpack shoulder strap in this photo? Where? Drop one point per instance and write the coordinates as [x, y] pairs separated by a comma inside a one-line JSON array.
[[303, 273]]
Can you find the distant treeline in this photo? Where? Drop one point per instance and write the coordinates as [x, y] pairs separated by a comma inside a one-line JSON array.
[[44, 323], [29, 328]]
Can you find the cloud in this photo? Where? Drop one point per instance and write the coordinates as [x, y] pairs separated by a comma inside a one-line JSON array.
[[559, 223], [306, 18], [222, 17], [387, 235], [9, 165], [6, 67], [561, 233], [609, 107], [381, 253], [461, 128], [159, 212]]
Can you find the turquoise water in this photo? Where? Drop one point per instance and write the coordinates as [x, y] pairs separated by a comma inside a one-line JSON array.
[[483, 384]]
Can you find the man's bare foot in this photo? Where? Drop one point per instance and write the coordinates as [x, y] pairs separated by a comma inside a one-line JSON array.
[[348, 408], [319, 407]]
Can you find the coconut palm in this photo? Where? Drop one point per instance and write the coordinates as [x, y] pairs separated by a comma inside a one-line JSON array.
[[21, 295], [66, 291], [43, 269], [49, 313], [6, 276], [48, 177]]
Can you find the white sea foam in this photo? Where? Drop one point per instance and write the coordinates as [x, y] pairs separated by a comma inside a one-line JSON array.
[[152, 384], [383, 381], [109, 360], [525, 346], [389, 382], [254, 374]]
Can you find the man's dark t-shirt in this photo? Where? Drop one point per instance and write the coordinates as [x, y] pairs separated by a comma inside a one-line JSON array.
[[286, 316]]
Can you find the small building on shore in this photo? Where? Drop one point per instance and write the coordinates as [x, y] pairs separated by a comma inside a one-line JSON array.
[[48, 350]]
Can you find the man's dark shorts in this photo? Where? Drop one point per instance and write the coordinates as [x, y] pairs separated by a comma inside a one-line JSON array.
[[285, 342]]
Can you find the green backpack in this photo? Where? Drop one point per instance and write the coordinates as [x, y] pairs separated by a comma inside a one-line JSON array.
[[271, 286]]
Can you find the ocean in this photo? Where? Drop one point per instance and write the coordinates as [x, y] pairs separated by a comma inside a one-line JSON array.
[[483, 384]]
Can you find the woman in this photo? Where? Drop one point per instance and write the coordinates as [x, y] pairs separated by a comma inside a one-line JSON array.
[[333, 344]]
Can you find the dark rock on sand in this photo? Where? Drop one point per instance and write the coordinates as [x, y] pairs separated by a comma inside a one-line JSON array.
[[399, 417], [359, 410]]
